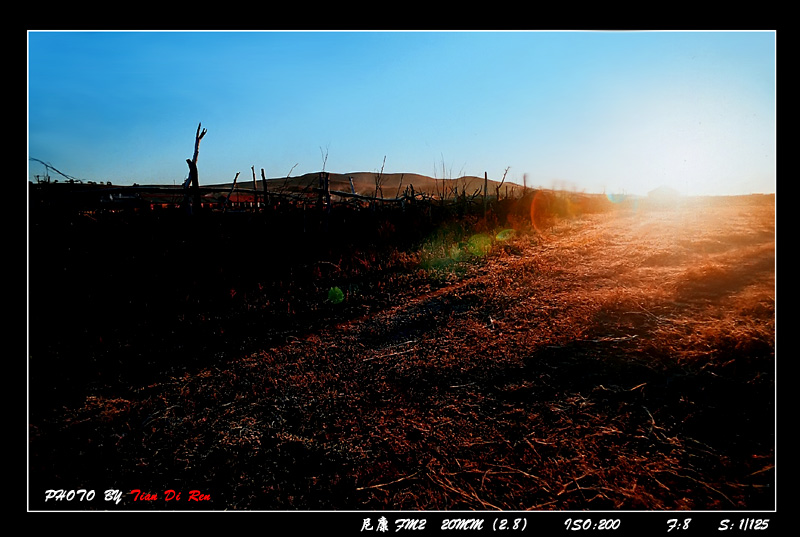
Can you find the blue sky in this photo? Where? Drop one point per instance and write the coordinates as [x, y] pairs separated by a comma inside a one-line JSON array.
[[615, 112]]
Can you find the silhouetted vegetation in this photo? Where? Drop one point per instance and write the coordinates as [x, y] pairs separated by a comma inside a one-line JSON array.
[[554, 352]]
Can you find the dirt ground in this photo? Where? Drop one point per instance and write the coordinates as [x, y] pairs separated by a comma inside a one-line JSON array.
[[613, 361]]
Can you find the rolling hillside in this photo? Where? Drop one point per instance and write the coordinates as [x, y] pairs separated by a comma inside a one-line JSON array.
[[364, 183]]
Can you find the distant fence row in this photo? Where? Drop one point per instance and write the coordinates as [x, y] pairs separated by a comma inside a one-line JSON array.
[[91, 197], [316, 207]]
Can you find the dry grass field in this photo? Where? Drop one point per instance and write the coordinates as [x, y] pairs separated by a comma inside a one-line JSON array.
[[622, 360]]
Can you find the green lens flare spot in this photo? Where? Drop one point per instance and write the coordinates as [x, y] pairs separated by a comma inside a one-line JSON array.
[[335, 295], [506, 234], [479, 244]]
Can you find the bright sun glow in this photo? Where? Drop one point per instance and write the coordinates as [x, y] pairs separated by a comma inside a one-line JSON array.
[[621, 112]]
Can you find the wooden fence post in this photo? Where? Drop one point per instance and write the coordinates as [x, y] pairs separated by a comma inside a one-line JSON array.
[[264, 182], [485, 191], [328, 191], [324, 199], [255, 190], [321, 191]]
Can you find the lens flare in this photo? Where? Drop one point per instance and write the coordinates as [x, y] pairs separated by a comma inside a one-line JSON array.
[[335, 295], [505, 234], [540, 210], [479, 244]]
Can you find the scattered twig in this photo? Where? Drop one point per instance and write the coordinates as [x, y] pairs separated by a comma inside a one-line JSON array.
[[380, 485], [706, 485]]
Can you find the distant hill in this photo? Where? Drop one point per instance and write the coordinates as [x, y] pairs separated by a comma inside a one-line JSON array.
[[364, 183]]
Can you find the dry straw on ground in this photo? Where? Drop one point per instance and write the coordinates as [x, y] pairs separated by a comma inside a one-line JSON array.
[[620, 360]]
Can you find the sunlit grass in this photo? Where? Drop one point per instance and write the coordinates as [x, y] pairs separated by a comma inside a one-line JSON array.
[[617, 360]]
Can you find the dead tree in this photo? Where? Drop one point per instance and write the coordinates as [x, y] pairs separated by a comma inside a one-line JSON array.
[[485, 191], [379, 180], [497, 188], [193, 181], [228, 199]]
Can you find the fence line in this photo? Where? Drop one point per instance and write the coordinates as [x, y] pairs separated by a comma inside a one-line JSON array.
[[100, 196]]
